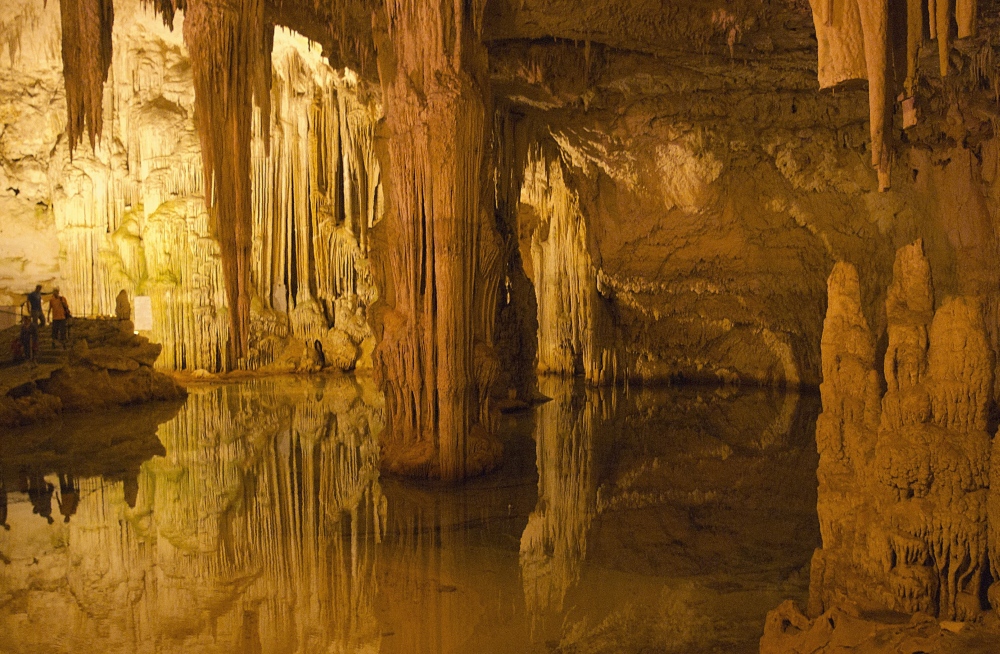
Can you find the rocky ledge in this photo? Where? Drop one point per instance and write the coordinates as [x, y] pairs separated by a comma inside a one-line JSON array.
[[105, 364]]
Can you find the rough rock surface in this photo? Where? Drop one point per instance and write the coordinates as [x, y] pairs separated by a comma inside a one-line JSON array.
[[106, 366], [904, 474]]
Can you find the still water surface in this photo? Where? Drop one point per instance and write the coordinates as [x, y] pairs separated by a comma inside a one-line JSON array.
[[253, 518]]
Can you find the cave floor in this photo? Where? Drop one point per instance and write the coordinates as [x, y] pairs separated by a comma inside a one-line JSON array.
[[253, 518]]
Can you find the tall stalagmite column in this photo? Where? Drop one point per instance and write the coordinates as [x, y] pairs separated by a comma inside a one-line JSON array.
[[443, 267]]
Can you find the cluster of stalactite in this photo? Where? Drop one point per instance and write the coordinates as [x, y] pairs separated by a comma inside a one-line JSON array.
[[230, 48], [263, 513], [906, 509], [86, 52], [855, 39], [130, 213], [445, 262], [318, 191], [573, 321]]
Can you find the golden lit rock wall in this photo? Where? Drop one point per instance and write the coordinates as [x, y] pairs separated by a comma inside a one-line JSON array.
[[905, 477], [131, 214]]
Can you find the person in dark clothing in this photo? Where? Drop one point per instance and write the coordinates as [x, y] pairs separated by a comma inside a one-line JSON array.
[[35, 306], [3, 504], [29, 339]]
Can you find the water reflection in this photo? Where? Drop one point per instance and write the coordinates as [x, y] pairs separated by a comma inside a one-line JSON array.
[[254, 520]]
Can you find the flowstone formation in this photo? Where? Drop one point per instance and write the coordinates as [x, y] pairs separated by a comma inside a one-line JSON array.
[[131, 213], [906, 509]]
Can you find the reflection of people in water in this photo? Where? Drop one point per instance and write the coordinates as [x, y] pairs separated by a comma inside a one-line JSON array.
[[3, 503], [40, 494], [130, 482], [69, 495]]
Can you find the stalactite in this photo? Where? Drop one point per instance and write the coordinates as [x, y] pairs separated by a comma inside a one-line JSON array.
[[853, 38], [230, 55], [434, 84], [86, 50], [130, 213]]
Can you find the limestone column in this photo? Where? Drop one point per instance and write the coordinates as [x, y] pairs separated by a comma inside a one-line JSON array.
[[435, 359]]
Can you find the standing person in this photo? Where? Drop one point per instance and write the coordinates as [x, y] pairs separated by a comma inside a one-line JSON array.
[[35, 306], [59, 310], [29, 339], [3, 503]]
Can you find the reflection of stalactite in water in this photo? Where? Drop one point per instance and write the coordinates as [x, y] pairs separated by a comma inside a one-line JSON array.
[[258, 526], [572, 317], [554, 543]]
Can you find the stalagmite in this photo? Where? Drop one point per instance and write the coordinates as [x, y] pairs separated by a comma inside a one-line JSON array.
[[903, 507], [442, 256]]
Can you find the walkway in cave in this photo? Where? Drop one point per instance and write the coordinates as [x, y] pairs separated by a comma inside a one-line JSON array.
[[14, 374]]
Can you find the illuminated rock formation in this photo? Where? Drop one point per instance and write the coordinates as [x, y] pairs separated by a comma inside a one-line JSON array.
[[905, 478], [573, 325], [130, 214], [443, 259]]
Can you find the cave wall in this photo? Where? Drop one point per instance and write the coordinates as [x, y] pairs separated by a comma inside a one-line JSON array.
[[131, 213], [710, 194]]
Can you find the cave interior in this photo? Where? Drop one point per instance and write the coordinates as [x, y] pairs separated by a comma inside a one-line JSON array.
[[711, 287]]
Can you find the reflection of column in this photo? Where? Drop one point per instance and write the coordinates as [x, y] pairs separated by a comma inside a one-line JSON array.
[[554, 543], [257, 530]]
